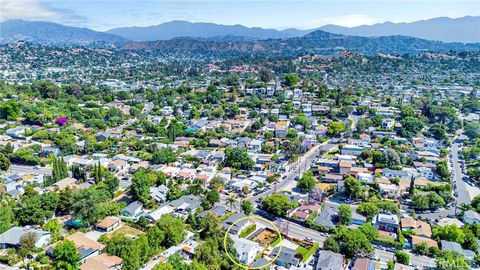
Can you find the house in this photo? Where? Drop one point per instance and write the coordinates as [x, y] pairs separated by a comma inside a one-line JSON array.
[[329, 260], [332, 178], [107, 224], [400, 174], [388, 189], [178, 208], [67, 182], [159, 194], [456, 247], [287, 257], [255, 146], [87, 247], [356, 218], [302, 212], [471, 217], [236, 223], [281, 129], [133, 211], [386, 222], [399, 266], [17, 132], [366, 177], [11, 237], [246, 249], [388, 124], [418, 239], [421, 228], [363, 264], [327, 217], [219, 210], [102, 262], [351, 150]]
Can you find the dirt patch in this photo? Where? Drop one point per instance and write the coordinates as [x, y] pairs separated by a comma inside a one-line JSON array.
[[265, 237]]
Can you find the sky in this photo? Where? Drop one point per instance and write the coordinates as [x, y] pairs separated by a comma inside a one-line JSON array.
[[279, 14]]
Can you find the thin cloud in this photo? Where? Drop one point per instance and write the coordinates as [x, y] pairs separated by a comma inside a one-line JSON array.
[[26, 9]]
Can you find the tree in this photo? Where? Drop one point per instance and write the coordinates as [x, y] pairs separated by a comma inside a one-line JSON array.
[[448, 260], [4, 163], [173, 229], [421, 248], [111, 183], [53, 226], [336, 128], [353, 187], [213, 196], [331, 244], [46, 89], [238, 158], [247, 207], [391, 158], [210, 226], [265, 75], [66, 256], [290, 79], [35, 209], [369, 231], [369, 210], [402, 257], [353, 242], [411, 126], [6, 217], [232, 202], [27, 243], [472, 130], [277, 204], [449, 233], [124, 247], [208, 253], [164, 156], [437, 130], [430, 201], [442, 170], [306, 182], [140, 186], [344, 215], [88, 204]]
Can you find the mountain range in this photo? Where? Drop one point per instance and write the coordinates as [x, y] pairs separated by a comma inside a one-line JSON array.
[[205, 38], [175, 29], [465, 29], [317, 42], [52, 33]]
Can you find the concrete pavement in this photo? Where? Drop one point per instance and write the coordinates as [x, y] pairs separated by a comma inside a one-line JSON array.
[[464, 191]]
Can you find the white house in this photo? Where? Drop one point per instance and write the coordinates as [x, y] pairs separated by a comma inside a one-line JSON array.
[[471, 217], [246, 249], [11, 238]]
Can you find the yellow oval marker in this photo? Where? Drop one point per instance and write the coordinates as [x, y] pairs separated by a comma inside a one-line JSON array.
[[244, 265]]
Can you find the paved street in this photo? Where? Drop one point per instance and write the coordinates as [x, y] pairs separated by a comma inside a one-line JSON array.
[[30, 169], [465, 192], [302, 165]]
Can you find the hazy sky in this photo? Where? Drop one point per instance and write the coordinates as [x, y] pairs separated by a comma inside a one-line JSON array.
[[280, 14]]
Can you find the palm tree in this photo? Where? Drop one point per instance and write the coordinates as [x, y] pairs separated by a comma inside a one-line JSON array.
[[231, 201]]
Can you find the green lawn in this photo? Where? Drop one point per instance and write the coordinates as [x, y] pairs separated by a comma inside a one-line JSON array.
[[276, 242], [247, 231], [307, 253]]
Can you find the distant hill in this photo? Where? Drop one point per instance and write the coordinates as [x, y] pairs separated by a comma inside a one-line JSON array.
[[52, 33], [176, 29], [465, 29], [319, 42]]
